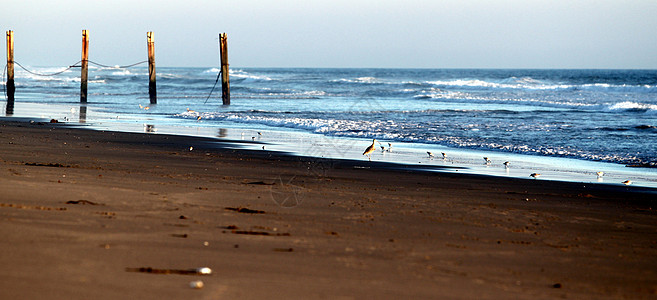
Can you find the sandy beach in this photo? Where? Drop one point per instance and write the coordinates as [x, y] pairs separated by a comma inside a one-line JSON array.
[[106, 215]]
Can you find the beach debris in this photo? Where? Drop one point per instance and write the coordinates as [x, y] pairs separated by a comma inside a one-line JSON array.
[[627, 182], [144, 107], [81, 202], [556, 285], [534, 175], [261, 183], [197, 271], [191, 148], [252, 232], [54, 121], [283, 249], [206, 243], [600, 173], [369, 150], [183, 236], [196, 284], [245, 210], [54, 165], [487, 160], [189, 110]]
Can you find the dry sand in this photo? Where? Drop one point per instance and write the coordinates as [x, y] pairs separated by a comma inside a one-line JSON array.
[[84, 214]]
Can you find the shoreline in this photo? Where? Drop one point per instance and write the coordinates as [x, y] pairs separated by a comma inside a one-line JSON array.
[[82, 209], [320, 146]]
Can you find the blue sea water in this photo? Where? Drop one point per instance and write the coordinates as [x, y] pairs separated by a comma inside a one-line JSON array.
[[607, 116]]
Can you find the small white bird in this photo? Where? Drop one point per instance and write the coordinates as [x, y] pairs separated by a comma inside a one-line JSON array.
[[534, 175], [430, 154], [627, 182], [487, 160], [600, 174], [507, 164], [369, 150]]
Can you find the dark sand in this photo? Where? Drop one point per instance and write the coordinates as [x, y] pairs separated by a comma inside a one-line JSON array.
[[81, 211]]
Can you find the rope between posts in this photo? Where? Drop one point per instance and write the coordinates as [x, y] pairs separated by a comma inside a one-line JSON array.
[[212, 90], [75, 65], [45, 75], [117, 67]]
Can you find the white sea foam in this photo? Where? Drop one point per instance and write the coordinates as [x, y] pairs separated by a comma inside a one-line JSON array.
[[239, 74], [528, 83], [633, 106]]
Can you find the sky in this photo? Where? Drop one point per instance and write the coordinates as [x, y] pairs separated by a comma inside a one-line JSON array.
[[340, 33]]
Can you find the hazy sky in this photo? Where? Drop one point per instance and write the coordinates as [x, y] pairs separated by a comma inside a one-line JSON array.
[[338, 33]]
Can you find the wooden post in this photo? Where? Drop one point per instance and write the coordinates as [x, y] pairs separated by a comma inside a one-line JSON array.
[[11, 88], [85, 64], [152, 90], [225, 83]]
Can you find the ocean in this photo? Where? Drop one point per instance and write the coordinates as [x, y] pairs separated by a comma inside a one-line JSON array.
[[565, 124]]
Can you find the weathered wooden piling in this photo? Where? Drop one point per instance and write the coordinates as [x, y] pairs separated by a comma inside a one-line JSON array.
[[225, 83], [152, 90], [84, 66], [11, 88]]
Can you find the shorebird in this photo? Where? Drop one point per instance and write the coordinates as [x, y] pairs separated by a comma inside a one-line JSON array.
[[369, 150], [487, 160], [444, 155], [430, 154], [253, 138], [506, 164], [627, 182], [259, 133], [389, 147], [600, 174], [534, 175]]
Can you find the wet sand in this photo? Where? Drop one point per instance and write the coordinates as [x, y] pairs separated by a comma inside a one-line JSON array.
[[105, 215]]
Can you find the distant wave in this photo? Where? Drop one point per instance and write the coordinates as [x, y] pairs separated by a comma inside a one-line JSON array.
[[239, 74], [633, 107], [365, 80], [527, 83]]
